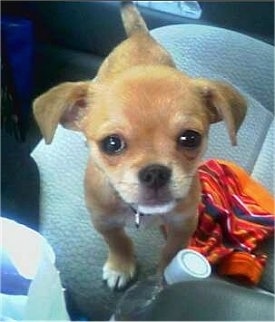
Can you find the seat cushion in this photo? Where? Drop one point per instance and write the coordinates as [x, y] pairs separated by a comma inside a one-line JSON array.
[[204, 51], [264, 167]]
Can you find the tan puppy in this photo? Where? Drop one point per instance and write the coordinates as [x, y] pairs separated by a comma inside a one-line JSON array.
[[147, 126]]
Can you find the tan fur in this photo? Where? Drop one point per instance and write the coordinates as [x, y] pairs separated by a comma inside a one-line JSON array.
[[140, 95], [132, 19]]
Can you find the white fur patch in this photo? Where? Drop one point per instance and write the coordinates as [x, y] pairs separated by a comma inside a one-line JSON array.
[[116, 279], [158, 209]]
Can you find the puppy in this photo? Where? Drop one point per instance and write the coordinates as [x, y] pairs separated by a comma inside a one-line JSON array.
[[147, 127]]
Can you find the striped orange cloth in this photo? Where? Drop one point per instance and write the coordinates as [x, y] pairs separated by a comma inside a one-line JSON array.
[[236, 214]]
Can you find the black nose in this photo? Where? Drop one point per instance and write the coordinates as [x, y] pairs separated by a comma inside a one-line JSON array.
[[155, 176]]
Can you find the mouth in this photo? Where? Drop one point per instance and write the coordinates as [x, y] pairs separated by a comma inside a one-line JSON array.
[[156, 209]]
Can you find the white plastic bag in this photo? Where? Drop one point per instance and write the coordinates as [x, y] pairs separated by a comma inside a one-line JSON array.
[[29, 258]]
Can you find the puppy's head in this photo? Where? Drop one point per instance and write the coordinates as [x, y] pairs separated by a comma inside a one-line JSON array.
[[147, 128]]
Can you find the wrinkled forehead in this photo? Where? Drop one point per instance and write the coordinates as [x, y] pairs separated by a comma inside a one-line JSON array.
[[155, 99], [144, 100]]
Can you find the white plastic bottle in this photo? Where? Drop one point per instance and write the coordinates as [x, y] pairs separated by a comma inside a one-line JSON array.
[[187, 265]]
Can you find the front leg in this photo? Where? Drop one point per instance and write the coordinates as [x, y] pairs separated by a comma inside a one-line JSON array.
[[108, 219], [178, 236], [120, 266]]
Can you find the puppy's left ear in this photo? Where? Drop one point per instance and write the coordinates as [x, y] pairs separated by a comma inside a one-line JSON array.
[[223, 102]]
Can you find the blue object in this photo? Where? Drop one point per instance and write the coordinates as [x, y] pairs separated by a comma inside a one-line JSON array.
[[12, 282], [17, 51]]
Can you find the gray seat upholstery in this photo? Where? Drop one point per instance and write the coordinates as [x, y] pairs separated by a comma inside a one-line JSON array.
[[200, 51], [218, 301]]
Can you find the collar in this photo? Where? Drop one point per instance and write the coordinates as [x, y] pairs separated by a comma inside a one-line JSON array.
[[138, 215]]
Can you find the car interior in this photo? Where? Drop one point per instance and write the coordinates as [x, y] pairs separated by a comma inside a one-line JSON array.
[[45, 43]]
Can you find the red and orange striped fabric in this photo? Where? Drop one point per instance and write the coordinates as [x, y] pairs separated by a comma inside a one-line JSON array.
[[236, 214]]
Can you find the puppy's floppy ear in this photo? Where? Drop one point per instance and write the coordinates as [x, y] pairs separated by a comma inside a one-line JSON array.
[[223, 103], [65, 104]]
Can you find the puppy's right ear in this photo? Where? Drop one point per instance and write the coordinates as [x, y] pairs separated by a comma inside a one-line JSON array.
[[65, 104]]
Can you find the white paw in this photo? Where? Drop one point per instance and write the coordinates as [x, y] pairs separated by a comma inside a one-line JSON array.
[[117, 279]]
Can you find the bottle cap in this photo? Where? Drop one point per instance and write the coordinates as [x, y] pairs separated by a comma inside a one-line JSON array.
[[187, 265]]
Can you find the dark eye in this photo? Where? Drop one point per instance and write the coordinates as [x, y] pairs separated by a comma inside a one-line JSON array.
[[113, 144], [189, 139]]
